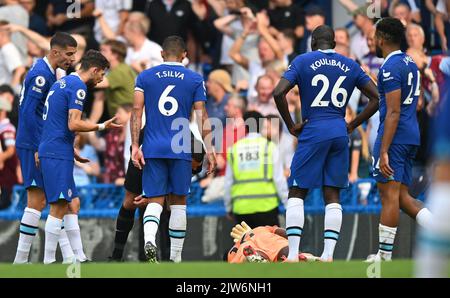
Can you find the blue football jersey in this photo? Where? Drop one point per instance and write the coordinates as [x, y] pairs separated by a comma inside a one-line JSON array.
[[57, 140], [400, 72], [35, 88], [169, 90], [326, 81]]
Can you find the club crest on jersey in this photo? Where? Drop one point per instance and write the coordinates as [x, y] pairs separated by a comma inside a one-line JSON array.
[[62, 83], [69, 192], [81, 94], [40, 81]]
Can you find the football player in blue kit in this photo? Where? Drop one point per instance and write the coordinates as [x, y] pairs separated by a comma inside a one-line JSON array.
[[169, 92], [398, 135], [62, 119], [326, 80], [36, 85]]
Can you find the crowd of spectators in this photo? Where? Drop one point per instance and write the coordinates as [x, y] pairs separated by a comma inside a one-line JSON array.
[[242, 47]]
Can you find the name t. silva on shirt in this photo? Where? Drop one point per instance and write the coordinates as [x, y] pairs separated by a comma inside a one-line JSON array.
[[170, 74]]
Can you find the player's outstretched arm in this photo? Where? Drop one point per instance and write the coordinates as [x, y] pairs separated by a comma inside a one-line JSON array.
[[393, 110], [204, 126], [136, 122], [76, 124], [369, 90], [279, 94]]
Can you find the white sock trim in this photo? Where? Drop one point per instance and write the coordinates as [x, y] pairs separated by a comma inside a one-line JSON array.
[[71, 222], [179, 207], [388, 229], [423, 217], [333, 206], [34, 211], [294, 202], [54, 225]]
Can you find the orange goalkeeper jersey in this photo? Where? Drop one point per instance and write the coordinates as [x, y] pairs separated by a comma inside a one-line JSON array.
[[263, 239]]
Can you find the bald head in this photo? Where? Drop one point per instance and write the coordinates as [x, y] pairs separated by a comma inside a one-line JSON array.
[[323, 38]]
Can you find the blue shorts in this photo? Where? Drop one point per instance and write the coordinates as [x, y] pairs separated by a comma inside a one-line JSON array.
[[32, 176], [400, 160], [320, 164], [58, 179], [163, 176]]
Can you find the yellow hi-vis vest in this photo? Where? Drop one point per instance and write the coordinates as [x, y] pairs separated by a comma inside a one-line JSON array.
[[253, 187]]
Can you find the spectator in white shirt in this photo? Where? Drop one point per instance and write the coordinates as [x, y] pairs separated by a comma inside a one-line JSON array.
[[407, 13], [415, 37], [239, 23], [265, 103], [115, 13], [142, 52], [14, 13], [365, 25], [12, 67], [269, 51]]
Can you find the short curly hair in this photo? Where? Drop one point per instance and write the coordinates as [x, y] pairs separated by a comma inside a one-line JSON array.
[[391, 30]]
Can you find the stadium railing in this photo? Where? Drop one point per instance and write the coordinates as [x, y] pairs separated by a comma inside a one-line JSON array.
[[104, 201]]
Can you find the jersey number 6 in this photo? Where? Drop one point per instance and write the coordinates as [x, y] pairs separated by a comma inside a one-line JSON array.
[[165, 98]]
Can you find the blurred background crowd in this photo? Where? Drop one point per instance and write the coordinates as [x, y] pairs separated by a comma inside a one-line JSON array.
[[242, 47]]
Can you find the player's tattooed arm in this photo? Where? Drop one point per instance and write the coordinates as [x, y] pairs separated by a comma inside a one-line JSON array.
[[279, 94], [136, 117], [370, 91], [137, 156], [204, 126]]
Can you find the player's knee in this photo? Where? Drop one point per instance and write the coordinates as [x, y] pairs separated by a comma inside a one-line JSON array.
[[36, 199], [74, 206], [177, 200], [59, 209], [331, 195], [128, 202], [295, 192]]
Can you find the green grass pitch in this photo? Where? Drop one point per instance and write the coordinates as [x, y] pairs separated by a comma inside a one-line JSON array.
[[398, 268]]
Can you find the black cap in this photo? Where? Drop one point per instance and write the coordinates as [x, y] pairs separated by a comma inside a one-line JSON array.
[[313, 10]]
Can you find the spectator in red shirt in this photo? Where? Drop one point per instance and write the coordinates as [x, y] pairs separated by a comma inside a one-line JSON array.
[[234, 129], [8, 158], [115, 141], [233, 132]]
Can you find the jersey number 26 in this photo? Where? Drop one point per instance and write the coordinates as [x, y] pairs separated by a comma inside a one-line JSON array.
[[337, 90]]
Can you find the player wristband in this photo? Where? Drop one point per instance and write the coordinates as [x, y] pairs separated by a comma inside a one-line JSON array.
[[101, 126]]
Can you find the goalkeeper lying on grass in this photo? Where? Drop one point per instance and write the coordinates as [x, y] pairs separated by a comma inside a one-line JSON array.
[[261, 245]]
